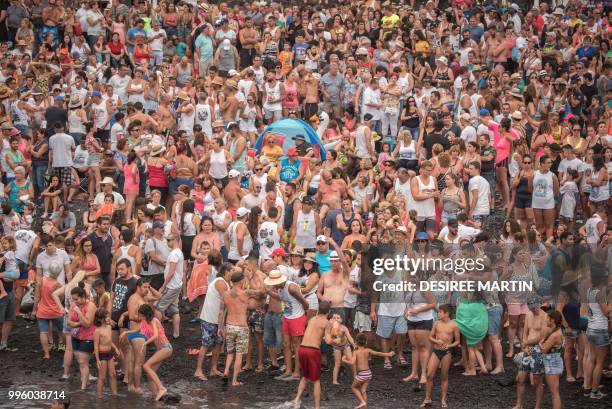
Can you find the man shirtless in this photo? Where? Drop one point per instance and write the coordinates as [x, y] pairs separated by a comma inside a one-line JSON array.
[[233, 192], [236, 329], [228, 103], [311, 99], [135, 353], [165, 115], [309, 354], [333, 286], [256, 293], [273, 340], [331, 192], [532, 360]]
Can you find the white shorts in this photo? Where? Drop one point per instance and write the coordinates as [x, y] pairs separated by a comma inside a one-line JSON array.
[[363, 323]]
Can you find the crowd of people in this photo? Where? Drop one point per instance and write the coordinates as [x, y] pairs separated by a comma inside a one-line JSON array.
[[137, 177]]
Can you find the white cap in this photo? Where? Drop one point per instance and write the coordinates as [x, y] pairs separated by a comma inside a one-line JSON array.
[[226, 44], [334, 255], [465, 116], [321, 237], [233, 173], [231, 73], [243, 211]]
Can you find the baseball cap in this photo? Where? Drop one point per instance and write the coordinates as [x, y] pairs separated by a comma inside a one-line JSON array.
[[233, 173], [367, 117], [158, 225], [231, 125], [321, 238], [422, 236], [292, 152], [96, 94], [243, 211], [484, 112], [278, 252]]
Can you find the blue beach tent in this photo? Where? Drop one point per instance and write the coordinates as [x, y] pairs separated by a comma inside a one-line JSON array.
[[288, 128]]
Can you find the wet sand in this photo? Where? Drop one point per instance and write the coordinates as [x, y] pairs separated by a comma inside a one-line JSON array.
[[25, 370]]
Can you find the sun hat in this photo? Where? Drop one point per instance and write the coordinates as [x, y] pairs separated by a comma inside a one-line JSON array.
[[75, 101], [334, 255], [183, 95], [517, 115], [108, 181], [297, 251], [218, 124], [311, 257], [157, 149], [233, 174], [275, 277]]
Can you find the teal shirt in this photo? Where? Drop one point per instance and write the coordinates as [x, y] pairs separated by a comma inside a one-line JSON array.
[[205, 45]]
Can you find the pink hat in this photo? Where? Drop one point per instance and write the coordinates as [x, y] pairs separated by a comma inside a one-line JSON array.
[[568, 117], [14, 132]]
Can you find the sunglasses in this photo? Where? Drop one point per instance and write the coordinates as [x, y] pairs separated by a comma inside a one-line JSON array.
[[320, 243], [527, 162], [258, 169]]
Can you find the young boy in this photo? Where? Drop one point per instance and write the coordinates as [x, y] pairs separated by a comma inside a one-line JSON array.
[[444, 336], [569, 197], [341, 343], [103, 351], [360, 360]]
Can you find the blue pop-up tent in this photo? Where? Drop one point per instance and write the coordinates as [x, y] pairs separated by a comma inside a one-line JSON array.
[[288, 128]]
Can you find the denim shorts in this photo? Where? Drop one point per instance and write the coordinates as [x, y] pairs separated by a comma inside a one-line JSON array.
[[599, 337], [553, 363], [495, 316], [273, 335], [388, 325], [43, 324], [575, 333]]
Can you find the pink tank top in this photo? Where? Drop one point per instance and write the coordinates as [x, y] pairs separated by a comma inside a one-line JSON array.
[[146, 329], [82, 333]]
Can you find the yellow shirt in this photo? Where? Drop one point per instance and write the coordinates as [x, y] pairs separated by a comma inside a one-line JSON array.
[[272, 152]]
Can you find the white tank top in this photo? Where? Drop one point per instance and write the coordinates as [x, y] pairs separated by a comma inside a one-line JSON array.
[[75, 123], [543, 196], [189, 229], [268, 239], [293, 308], [407, 152], [101, 115], [259, 77], [591, 229], [212, 302], [315, 181], [425, 209], [218, 165], [599, 193], [20, 116], [597, 319], [414, 299], [124, 254], [306, 230], [361, 147], [275, 93], [186, 122], [247, 245], [209, 202], [219, 218]]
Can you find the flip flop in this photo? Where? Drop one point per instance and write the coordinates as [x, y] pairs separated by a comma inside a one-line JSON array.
[[201, 378], [388, 365], [402, 361], [193, 352]]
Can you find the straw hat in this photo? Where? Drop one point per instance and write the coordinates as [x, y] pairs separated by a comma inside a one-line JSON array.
[[75, 101], [297, 251], [311, 257], [516, 93], [517, 115], [183, 95], [157, 149], [232, 84], [218, 124], [217, 81], [108, 181], [5, 92], [275, 277]]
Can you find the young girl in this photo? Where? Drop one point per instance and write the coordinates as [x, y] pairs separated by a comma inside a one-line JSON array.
[[103, 351], [11, 271], [360, 361], [108, 207], [153, 330], [51, 196], [553, 362], [569, 195], [444, 336], [341, 343]]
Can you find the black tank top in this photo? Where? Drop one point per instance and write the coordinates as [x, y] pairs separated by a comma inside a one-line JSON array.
[[288, 218]]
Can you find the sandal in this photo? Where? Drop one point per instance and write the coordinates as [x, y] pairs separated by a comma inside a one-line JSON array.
[[388, 365], [402, 361]]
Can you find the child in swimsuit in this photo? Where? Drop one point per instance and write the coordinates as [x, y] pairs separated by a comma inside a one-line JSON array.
[[360, 361], [444, 336], [152, 328], [11, 270], [103, 351], [341, 338]]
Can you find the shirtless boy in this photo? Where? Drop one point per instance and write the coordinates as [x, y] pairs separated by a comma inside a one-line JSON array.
[[256, 293], [236, 329], [444, 336], [309, 354], [103, 352], [342, 341], [531, 358], [360, 361]]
